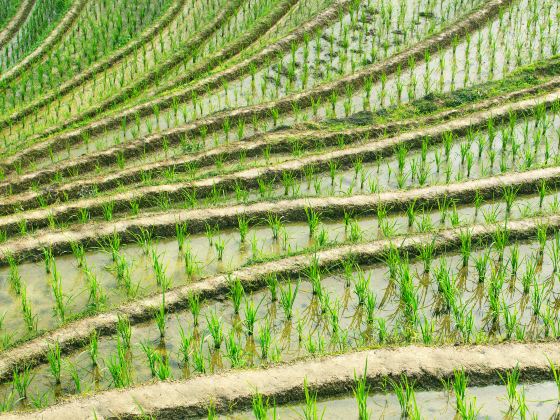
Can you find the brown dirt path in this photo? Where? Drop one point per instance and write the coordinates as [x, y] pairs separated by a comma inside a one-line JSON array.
[[15, 23]]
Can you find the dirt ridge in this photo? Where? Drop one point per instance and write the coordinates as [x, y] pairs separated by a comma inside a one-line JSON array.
[[63, 26], [369, 151], [327, 375], [15, 23]]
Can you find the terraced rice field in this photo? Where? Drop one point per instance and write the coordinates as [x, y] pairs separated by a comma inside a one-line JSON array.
[[279, 209]]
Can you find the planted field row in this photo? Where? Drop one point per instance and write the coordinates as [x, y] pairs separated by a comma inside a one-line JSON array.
[[317, 175], [378, 369], [295, 208], [265, 110], [325, 313], [426, 245], [118, 92]]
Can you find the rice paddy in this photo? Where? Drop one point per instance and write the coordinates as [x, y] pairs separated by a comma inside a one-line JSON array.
[[259, 209]]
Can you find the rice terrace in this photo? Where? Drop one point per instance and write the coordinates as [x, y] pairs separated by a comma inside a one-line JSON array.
[[279, 209]]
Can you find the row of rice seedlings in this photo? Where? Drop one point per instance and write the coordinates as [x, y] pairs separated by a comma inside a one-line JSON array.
[[141, 60], [354, 32], [523, 144], [497, 37], [80, 289], [401, 397], [86, 43], [448, 300], [302, 12], [180, 164], [8, 10], [242, 20], [331, 58], [315, 51], [364, 177], [517, 145], [172, 38], [485, 55], [127, 75], [37, 26]]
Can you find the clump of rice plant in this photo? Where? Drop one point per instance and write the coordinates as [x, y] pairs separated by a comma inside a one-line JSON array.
[[261, 406], [236, 293], [55, 361], [404, 390], [214, 325], [310, 411], [288, 296], [361, 393], [21, 379]]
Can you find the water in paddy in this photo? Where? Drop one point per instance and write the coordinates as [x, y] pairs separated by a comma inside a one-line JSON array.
[[259, 243], [331, 319], [541, 400]]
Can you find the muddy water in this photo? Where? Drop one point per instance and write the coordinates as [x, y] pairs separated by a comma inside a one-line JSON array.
[[541, 400], [312, 330]]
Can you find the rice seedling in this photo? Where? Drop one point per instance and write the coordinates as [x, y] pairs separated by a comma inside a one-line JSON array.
[[182, 234], [94, 348], [150, 353], [163, 369], [460, 383], [161, 318], [272, 284], [14, 276], [361, 287], [234, 351], [287, 298], [236, 294], [511, 381], [404, 390], [124, 331], [243, 226], [29, 318], [21, 379], [312, 220], [261, 406], [194, 305], [361, 391], [214, 326], [118, 367], [250, 313], [55, 362], [73, 372], [310, 411]]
